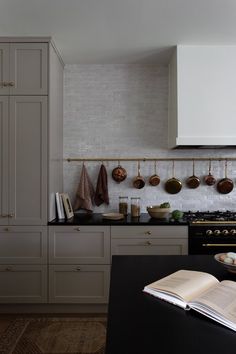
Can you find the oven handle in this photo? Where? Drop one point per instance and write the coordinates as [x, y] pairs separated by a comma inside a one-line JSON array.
[[219, 244]]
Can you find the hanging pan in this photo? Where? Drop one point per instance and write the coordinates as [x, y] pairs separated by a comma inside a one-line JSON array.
[[225, 185], [138, 181], [193, 181], [154, 180], [173, 185], [210, 179], [119, 174]]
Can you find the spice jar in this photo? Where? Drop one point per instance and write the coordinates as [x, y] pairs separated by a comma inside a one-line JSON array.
[[123, 205], [135, 207]]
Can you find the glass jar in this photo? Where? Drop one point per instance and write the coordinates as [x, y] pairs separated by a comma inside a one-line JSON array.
[[135, 207], [123, 205]]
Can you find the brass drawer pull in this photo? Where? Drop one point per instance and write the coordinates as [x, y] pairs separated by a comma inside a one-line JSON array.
[[11, 215], [218, 244], [11, 84], [5, 84], [6, 229], [148, 233], [77, 229], [9, 269], [77, 269], [148, 243]]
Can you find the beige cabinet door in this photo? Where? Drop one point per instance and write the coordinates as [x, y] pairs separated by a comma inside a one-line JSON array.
[[3, 160], [23, 283], [23, 244], [28, 160], [28, 68], [79, 283], [4, 68]]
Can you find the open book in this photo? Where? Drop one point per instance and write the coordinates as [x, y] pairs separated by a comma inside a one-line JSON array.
[[199, 291]]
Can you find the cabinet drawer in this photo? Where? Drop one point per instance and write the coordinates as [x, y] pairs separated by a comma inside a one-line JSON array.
[[79, 244], [23, 245], [23, 284], [160, 246], [167, 231], [79, 283]]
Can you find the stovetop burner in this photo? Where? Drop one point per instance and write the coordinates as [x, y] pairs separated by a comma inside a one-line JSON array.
[[211, 216]]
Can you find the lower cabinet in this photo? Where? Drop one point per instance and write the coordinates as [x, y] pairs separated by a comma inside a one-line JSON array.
[[79, 264], [23, 264], [152, 240], [79, 283], [23, 283]]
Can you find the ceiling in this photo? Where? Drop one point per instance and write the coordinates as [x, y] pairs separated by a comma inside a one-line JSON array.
[[120, 31]]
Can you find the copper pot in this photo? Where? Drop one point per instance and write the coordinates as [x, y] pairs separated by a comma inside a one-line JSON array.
[[154, 180], [119, 174], [225, 185], [193, 181], [138, 181], [173, 185], [210, 179]]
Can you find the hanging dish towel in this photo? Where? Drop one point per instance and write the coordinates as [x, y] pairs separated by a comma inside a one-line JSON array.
[[101, 194], [85, 193]]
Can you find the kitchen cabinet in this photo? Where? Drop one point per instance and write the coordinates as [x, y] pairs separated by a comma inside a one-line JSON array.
[[31, 161], [23, 164], [79, 264], [23, 264], [23, 68], [149, 240]]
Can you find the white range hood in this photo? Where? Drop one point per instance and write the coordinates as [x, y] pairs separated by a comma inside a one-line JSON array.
[[202, 97]]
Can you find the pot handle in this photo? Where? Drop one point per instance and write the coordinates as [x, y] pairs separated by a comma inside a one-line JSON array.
[[138, 168], [225, 168], [173, 168]]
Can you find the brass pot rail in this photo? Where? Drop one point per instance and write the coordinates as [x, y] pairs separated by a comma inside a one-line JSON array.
[[150, 159]]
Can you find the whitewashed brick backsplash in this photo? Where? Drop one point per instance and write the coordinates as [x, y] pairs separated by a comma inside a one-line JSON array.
[[121, 110]]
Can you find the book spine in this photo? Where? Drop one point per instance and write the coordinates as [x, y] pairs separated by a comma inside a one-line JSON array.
[[59, 212], [61, 206]]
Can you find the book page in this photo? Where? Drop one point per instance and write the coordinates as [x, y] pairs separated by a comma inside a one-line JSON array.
[[186, 284], [220, 299]]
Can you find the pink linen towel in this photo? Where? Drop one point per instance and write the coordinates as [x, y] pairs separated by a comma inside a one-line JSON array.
[[85, 192], [101, 194]]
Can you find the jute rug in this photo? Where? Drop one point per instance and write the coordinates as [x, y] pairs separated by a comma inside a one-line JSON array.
[[53, 335]]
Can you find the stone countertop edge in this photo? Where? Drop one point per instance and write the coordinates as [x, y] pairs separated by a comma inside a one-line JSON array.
[[97, 219]]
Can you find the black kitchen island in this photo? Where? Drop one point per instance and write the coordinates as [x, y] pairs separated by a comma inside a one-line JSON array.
[[139, 323]]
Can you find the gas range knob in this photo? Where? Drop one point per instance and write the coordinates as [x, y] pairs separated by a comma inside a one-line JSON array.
[[225, 232], [209, 232], [232, 232], [216, 232]]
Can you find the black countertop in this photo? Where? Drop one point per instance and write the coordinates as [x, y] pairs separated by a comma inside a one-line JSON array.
[[139, 323], [97, 219]]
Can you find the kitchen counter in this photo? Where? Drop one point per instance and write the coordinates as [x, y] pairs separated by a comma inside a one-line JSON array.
[[139, 323], [97, 219]]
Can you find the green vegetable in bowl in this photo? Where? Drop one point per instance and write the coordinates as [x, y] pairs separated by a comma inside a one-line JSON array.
[[177, 214], [165, 205]]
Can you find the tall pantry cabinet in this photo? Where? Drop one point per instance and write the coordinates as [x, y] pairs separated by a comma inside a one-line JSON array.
[[31, 91]]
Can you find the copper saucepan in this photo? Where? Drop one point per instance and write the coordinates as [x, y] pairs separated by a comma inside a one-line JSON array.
[[210, 179], [138, 181], [119, 174], [173, 185], [193, 181], [154, 180], [225, 185]]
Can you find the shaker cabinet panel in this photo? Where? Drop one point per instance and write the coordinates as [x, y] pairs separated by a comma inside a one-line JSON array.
[[28, 68], [79, 283], [23, 284], [3, 160], [79, 244], [166, 231], [158, 246], [28, 160], [23, 245]]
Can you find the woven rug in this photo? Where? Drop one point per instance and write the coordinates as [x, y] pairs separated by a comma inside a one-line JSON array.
[[53, 335]]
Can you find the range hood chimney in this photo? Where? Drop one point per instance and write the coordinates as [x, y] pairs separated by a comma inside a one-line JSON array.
[[202, 97]]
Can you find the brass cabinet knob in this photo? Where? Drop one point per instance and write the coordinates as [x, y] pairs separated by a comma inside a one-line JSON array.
[[77, 269], [6, 229], [11, 84], [5, 84], [148, 233], [77, 229], [11, 215], [148, 243], [8, 269]]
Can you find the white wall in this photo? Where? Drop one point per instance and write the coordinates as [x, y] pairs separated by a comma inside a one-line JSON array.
[[121, 111]]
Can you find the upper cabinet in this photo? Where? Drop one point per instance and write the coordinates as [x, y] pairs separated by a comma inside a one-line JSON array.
[[202, 96], [23, 68]]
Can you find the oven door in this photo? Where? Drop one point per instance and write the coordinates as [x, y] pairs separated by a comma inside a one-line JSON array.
[[200, 243]]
